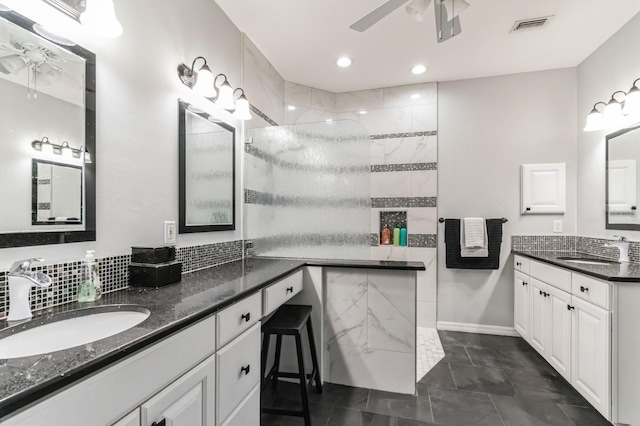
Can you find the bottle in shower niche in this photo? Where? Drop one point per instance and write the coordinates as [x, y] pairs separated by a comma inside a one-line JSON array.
[[403, 235], [385, 235], [396, 235], [89, 288]]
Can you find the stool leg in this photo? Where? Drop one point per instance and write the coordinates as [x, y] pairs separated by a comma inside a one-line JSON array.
[[276, 367], [303, 382], [314, 357], [265, 353]]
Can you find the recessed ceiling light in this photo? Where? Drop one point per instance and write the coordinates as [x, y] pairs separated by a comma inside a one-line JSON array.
[[329, 120], [344, 62], [291, 108], [416, 96], [418, 69], [362, 112]]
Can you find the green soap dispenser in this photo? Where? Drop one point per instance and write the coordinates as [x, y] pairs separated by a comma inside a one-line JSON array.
[[89, 287]]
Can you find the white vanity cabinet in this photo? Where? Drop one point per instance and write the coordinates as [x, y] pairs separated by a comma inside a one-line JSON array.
[[131, 419], [569, 324]]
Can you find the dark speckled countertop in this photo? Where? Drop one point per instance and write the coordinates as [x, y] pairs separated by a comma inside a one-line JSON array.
[[616, 272], [174, 307]]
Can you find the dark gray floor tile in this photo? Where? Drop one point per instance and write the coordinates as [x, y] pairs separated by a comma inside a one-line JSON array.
[[455, 355], [347, 417], [545, 387], [438, 377], [341, 396], [452, 407], [482, 379], [495, 358], [526, 412], [504, 342], [400, 405], [584, 416], [407, 422], [319, 417]]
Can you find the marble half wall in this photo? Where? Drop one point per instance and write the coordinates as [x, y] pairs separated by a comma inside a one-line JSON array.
[[370, 329]]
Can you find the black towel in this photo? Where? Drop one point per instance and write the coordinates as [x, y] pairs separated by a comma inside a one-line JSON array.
[[452, 242]]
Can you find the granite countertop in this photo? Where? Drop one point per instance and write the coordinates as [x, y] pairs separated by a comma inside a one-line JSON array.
[[174, 307], [615, 272]]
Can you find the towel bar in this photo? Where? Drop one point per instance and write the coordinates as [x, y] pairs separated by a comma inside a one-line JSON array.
[[504, 220]]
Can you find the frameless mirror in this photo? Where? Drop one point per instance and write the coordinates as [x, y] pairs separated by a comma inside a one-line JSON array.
[[207, 171], [47, 88], [623, 156]]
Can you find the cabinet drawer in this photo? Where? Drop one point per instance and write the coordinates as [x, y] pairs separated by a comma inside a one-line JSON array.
[[592, 290], [235, 319], [238, 366], [521, 264], [248, 413], [559, 278], [277, 294]]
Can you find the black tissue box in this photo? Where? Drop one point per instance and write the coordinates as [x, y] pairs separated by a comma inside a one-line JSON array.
[[153, 255], [154, 275]]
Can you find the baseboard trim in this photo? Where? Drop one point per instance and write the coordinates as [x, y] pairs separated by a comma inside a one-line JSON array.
[[477, 328]]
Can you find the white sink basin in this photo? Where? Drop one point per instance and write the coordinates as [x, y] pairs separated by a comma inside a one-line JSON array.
[[68, 329]]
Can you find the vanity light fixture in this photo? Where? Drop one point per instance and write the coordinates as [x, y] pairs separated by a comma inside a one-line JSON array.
[[243, 110], [99, 17], [63, 149], [621, 111], [205, 84]]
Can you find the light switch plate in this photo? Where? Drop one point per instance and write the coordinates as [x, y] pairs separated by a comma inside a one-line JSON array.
[[169, 232], [557, 226]]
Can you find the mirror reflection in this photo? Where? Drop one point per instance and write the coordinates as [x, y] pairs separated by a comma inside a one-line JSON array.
[[623, 156], [207, 172], [56, 193], [48, 94]]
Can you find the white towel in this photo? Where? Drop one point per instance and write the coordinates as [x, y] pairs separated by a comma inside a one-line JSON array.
[[477, 251], [474, 232]]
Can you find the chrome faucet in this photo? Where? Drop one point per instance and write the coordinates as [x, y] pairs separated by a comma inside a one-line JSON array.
[[21, 279], [622, 244]]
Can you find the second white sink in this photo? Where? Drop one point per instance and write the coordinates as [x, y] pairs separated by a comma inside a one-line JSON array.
[[72, 329]]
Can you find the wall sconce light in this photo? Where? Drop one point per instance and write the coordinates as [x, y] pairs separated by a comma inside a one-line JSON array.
[[63, 149], [622, 110], [204, 84]]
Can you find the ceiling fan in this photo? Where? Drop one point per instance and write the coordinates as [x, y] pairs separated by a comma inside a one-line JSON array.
[[447, 28]]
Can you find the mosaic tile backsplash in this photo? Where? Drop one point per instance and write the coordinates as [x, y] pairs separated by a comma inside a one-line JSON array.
[[588, 245], [114, 274]]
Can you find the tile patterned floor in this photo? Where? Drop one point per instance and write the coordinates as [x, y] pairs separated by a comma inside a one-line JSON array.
[[482, 380], [429, 350]]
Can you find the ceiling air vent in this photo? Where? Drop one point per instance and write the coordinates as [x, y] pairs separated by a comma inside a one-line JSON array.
[[531, 24]]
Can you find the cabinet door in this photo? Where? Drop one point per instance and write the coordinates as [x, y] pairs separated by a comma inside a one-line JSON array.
[[521, 309], [189, 401], [591, 369], [543, 188], [540, 316], [559, 343], [131, 419]]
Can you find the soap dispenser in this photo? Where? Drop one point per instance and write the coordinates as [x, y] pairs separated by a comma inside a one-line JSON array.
[[89, 288]]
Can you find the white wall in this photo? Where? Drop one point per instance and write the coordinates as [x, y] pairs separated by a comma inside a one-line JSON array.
[[487, 127], [614, 66], [137, 121]]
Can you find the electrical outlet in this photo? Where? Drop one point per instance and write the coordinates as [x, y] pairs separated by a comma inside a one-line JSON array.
[[169, 232], [557, 226]]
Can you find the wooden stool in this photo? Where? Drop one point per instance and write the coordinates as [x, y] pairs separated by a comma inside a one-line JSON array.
[[289, 320]]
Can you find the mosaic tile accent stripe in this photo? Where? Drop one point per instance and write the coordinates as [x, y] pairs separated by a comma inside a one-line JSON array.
[[411, 167], [423, 240], [543, 242], [375, 240], [404, 135], [382, 203], [289, 165], [204, 256], [267, 199], [262, 115]]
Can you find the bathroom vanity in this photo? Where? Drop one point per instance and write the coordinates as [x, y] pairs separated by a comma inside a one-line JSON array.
[[582, 317], [194, 361]]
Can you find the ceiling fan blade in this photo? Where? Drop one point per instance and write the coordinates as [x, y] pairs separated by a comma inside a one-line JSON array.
[[378, 14]]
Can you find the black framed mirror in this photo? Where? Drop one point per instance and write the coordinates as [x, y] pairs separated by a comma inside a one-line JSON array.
[[48, 94], [622, 184], [207, 171]]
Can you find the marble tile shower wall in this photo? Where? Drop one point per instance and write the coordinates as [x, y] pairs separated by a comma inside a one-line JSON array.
[[114, 274], [590, 245]]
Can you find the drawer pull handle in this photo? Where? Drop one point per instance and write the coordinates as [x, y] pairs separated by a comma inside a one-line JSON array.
[[246, 317], [162, 422], [571, 308], [518, 264], [544, 293], [525, 283], [584, 289], [289, 289], [246, 369]]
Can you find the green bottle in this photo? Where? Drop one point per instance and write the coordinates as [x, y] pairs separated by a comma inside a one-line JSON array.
[[396, 235]]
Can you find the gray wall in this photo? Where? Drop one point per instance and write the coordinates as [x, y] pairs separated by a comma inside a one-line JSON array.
[[613, 66], [487, 127]]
